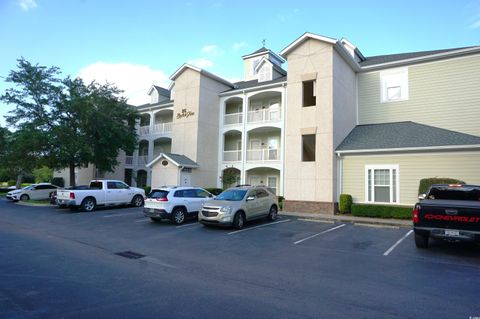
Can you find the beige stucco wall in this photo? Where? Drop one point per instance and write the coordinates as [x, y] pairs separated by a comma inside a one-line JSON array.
[[412, 168], [84, 175], [443, 93], [248, 67], [164, 175]]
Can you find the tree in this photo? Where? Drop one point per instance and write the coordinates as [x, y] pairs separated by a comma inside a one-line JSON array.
[[76, 123], [43, 174]]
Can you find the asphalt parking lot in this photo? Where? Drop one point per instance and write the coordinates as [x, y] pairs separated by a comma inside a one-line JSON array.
[[115, 263]]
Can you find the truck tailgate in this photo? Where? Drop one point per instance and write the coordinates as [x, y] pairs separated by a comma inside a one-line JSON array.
[[449, 214], [63, 194]]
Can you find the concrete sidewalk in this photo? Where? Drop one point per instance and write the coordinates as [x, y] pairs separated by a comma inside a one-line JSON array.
[[351, 219]]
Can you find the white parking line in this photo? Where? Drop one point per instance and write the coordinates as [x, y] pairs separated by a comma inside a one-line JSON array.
[[142, 220], [397, 243], [187, 225], [250, 228], [118, 215], [321, 233]]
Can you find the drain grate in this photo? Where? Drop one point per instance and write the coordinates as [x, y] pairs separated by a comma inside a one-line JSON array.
[[130, 254]]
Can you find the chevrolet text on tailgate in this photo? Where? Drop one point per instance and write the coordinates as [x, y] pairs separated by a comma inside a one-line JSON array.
[[101, 193], [450, 212]]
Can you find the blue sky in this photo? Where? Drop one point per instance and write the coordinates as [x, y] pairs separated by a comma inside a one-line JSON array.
[[137, 43]]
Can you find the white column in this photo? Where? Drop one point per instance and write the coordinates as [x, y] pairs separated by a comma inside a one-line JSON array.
[[243, 173]]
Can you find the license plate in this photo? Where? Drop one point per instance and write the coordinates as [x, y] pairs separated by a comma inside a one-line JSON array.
[[452, 232]]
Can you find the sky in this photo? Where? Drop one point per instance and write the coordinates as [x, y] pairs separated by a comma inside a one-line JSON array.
[[137, 43]]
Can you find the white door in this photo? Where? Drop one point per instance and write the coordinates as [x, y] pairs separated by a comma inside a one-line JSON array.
[[255, 150], [272, 183], [273, 153], [255, 180], [185, 179]]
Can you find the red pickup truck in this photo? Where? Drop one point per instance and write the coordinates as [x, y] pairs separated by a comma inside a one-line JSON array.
[[449, 212]]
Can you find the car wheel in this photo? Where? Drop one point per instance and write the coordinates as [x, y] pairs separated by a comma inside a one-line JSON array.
[[88, 204], [239, 221], [155, 219], [272, 215], [421, 241], [137, 201], [178, 216], [24, 197]]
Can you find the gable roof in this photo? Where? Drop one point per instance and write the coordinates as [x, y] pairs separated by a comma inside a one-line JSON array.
[[304, 37], [401, 136], [261, 51], [160, 90], [185, 66], [274, 66], [176, 159]]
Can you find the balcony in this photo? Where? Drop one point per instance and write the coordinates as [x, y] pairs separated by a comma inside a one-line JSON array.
[[232, 156], [142, 160], [163, 128], [263, 116], [263, 155], [233, 119], [144, 130]]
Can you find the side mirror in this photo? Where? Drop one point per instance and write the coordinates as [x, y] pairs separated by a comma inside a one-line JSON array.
[[422, 196], [249, 198]]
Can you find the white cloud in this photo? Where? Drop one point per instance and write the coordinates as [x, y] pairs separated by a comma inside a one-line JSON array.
[[475, 24], [27, 4], [133, 79], [238, 45], [201, 63], [212, 50]]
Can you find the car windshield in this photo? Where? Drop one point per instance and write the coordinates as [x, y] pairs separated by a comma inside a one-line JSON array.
[[28, 188], [232, 195]]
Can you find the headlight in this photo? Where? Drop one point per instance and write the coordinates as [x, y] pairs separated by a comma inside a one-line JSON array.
[[226, 210]]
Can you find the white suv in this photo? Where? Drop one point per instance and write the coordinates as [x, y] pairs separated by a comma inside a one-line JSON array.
[[175, 203]]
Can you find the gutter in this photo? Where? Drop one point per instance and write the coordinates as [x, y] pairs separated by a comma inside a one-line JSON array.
[[409, 149]]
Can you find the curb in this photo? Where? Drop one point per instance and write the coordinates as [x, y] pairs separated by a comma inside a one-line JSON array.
[[360, 221], [33, 204]]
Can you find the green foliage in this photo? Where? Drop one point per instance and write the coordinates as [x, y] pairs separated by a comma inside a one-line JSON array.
[[147, 189], [382, 211], [344, 206], [213, 190], [229, 177], [59, 181], [425, 183], [281, 199], [43, 174], [30, 179], [11, 182]]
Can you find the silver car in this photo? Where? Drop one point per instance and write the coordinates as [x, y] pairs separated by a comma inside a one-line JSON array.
[[237, 205]]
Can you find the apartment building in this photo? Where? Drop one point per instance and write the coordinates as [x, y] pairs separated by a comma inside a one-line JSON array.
[[339, 122]]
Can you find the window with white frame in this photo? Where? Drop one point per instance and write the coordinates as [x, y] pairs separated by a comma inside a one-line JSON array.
[[394, 85], [254, 65], [265, 73], [381, 184]]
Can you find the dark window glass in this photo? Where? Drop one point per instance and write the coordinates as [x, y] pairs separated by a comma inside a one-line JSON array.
[[111, 185], [96, 185], [308, 148], [121, 185], [178, 194], [261, 193], [190, 193], [202, 193], [454, 193], [156, 193], [309, 98]]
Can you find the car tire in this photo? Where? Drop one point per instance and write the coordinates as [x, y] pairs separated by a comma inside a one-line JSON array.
[[155, 219], [88, 204], [24, 197], [421, 241], [179, 215], [273, 213], [239, 220], [137, 201]]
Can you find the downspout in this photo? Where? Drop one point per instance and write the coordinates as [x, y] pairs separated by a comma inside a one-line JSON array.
[[179, 178]]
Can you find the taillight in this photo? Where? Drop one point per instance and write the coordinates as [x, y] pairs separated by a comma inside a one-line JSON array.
[[72, 195], [164, 199], [415, 215]]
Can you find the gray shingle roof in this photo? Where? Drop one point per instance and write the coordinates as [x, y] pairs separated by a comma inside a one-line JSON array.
[[380, 59], [162, 91], [262, 49], [403, 135], [253, 83], [181, 160]]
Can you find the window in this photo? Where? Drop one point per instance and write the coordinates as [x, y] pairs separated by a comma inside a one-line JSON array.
[[254, 65], [190, 193], [178, 194], [381, 183], [111, 185], [394, 85], [121, 185], [265, 73], [202, 193], [309, 95], [261, 193], [308, 148]]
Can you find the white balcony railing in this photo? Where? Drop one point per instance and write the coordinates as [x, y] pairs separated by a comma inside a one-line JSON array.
[[144, 130], [233, 118], [263, 155], [163, 128], [265, 115], [232, 156]]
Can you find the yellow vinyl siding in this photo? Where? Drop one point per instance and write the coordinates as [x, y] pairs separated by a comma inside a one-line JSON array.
[[412, 168], [445, 94]]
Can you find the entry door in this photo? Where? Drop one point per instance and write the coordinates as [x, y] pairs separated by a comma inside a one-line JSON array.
[[185, 179], [255, 180], [272, 183], [255, 150]]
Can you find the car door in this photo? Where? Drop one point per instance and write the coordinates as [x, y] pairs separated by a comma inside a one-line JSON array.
[[251, 204], [111, 194], [191, 200], [34, 192], [124, 195], [263, 202]]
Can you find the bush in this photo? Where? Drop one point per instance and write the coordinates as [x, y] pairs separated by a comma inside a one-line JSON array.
[[59, 181], [11, 183], [382, 211], [344, 206], [147, 189], [281, 199], [425, 183], [213, 190]]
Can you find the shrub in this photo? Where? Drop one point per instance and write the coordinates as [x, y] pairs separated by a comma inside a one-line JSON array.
[[11, 183], [344, 206], [281, 199], [382, 211], [425, 183], [59, 181], [215, 191], [147, 189]]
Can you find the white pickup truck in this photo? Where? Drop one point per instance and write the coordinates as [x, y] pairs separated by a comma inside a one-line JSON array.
[[101, 193]]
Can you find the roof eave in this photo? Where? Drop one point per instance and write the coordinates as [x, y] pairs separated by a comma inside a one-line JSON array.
[[201, 71], [302, 38], [409, 149]]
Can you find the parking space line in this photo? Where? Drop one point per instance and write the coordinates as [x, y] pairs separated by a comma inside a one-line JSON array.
[[187, 225], [250, 228], [142, 220], [321, 233], [397, 243], [118, 215]]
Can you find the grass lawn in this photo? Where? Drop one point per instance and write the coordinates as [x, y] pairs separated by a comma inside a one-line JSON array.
[[30, 202]]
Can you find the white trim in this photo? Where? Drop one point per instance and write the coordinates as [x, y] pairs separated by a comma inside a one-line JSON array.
[[254, 88], [390, 167], [267, 51], [201, 71], [417, 154], [163, 155], [407, 149], [402, 74], [305, 36]]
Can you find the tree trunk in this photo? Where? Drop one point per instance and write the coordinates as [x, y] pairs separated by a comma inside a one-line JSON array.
[[72, 174], [18, 184]]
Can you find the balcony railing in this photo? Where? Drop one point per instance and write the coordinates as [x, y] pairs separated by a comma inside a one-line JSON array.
[[144, 130], [142, 160], [263, 155], [232, 156], [233, 118], [163, 128], [265, 115]]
